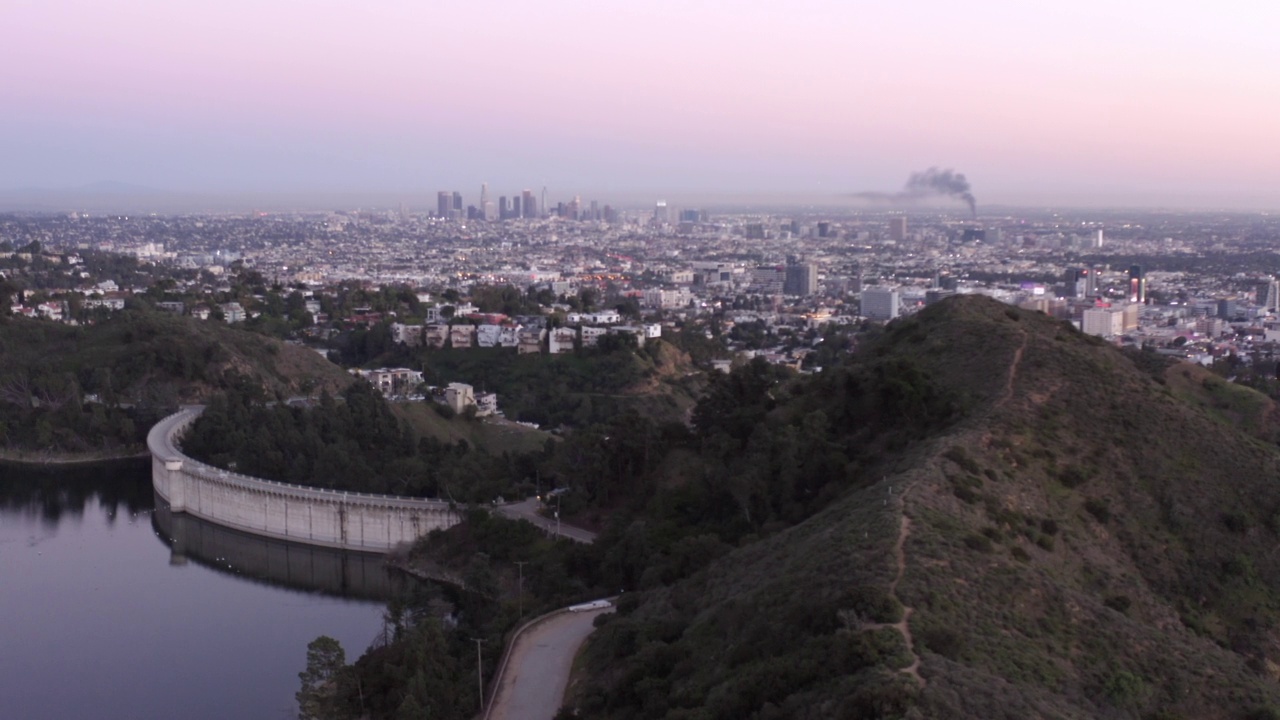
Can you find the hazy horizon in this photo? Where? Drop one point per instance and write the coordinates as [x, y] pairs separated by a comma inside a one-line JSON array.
[[1079, 104], [113, 197]]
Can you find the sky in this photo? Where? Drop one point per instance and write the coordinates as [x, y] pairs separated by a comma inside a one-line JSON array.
[[1083, 102]]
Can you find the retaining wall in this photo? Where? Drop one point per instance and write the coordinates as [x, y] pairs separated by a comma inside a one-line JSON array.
[[329, 518]]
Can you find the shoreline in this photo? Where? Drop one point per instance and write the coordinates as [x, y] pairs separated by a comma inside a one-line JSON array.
[[51, 459]]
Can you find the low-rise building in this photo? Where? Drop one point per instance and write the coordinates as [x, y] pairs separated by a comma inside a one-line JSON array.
[[391, 381], [529, 340], [460, 336], [460, 396], [562, 340], [434, 335], [407, 335]]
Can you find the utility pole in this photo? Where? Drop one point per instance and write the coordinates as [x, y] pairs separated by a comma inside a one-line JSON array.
[[520, 592], [479, 673], [557, 517]]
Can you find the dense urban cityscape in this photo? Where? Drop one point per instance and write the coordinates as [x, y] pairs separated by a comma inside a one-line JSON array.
[[768, 281]]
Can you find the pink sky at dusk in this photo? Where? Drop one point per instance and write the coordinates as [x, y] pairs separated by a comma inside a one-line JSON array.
[[1066, 102]]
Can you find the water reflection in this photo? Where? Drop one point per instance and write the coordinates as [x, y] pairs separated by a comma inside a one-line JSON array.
[[301, 567], [99, 622], [59, 494]]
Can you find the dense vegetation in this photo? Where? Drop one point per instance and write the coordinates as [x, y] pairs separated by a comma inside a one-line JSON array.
[[575, 390], [427, 665], [1087, 541], [98, 388], [356, 442], [1067, 530], [767, 450]]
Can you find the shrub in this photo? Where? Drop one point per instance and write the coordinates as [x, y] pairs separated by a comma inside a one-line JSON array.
[[960, 457], [1124, 688], [1072, 476], [1098, 509], [1119, 603], [943, 641], [1236, 522], [978, 542]]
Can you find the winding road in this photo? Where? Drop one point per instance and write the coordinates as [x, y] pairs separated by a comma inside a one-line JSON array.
[[528, 510], [532, 681]]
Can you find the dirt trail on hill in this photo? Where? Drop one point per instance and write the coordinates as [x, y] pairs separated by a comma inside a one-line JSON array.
[[903, 626], [1013, 370]]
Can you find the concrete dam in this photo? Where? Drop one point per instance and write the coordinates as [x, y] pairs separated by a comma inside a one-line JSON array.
[[309, 568], [314, 516]]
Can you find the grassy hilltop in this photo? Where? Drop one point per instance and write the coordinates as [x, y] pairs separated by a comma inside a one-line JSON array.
[[1028, 523]]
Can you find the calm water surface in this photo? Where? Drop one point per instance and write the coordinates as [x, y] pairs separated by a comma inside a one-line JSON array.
[[110, 609]]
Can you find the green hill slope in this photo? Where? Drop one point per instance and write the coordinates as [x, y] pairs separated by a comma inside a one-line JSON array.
[[96, 388], [1083, 537]]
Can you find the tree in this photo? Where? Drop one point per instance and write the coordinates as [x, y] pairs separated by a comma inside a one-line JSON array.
[[325, 662]]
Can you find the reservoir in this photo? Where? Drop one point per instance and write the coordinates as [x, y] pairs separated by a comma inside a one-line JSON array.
[[113, 607]]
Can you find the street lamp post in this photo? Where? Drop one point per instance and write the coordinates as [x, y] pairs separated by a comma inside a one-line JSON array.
[[520, 588], [479, 673]]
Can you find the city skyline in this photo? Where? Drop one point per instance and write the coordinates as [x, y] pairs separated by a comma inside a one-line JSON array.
[[1069, 104]]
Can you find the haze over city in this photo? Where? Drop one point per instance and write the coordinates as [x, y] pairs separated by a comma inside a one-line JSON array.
[[1079, 103]]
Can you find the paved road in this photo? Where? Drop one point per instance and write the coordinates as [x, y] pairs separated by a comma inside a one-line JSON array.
[[528, 510], [537, 672]]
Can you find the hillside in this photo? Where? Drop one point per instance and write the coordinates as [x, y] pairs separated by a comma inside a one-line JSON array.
[[97, 387], [492, 435], [1054, 529], [575, 389]]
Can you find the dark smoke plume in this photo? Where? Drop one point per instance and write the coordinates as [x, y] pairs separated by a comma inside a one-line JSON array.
[[930, 182]]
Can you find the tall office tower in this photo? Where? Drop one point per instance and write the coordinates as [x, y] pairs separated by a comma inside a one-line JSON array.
[[880, 303], [898, 229], [527, 208], [504, 208], [457, 202], [1071, 282], [517, 211], [575, 208], [801, 278], [485, 207], [543, 206], [824, 229], [595, 210], [1266, 294], [660, 215], [1097, 239], [444, 203], [1137, 285]]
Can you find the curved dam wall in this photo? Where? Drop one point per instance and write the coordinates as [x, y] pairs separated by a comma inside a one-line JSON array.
[[307, 568], [315, 516]]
